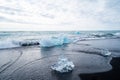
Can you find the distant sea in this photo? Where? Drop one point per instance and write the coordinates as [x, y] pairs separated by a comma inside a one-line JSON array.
[[9, 39]]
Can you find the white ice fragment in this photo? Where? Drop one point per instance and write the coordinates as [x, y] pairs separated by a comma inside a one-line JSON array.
[[63, 65], [106, 52]]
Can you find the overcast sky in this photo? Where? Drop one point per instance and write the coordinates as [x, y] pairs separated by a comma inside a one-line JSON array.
[[59, 15]]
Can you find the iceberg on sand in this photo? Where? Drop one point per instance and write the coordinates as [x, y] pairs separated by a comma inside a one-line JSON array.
[[54, 41], [63, 65]]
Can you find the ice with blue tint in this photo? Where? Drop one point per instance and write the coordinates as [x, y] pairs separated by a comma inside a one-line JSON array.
[[77, 32], [49, 42], [66, 39], [54, 41], [19, 39], [63, 65]]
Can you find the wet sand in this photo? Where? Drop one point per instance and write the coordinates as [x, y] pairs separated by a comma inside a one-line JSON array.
[[33, 62], [113, 74]]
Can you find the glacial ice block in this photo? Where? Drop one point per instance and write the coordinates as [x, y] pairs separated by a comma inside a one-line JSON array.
[[66, 39], [54, 41], [63, 65], [49, 42]]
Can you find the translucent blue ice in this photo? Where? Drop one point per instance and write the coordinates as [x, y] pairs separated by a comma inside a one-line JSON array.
[[54, 41]]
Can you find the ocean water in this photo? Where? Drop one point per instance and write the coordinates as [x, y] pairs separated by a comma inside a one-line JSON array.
[[20, 38]]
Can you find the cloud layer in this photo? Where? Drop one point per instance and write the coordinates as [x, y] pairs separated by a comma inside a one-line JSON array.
[[60, 14]]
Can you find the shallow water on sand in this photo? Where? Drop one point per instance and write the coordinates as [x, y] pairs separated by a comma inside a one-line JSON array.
[[33, 63]]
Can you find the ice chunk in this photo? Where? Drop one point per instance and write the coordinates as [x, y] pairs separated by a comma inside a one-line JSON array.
[[63, 65], [65, 39], [54, 41], [77, 32], [106, 52], [49, 42]]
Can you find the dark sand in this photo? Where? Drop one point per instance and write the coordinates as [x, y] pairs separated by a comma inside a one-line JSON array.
[[33, 63], [113, 74]]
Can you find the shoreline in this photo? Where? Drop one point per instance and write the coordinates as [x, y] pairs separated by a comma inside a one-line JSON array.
[[113, 74], [31, 64]]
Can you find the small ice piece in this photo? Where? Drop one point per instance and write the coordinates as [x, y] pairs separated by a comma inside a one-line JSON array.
[[63, 65], [106, 52]]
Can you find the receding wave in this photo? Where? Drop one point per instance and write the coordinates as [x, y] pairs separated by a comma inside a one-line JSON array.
[[19, 39]]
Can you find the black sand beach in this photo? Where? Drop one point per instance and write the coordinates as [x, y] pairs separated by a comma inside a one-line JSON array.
[[113, 74], [33, 62]]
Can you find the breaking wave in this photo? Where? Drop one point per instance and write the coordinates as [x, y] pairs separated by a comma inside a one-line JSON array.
[[48, 39]]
